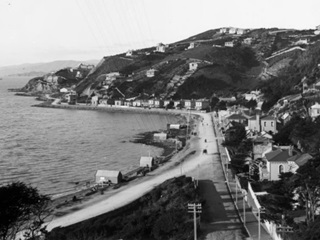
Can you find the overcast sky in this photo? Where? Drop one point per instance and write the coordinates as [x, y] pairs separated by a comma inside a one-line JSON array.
[[47, 30]]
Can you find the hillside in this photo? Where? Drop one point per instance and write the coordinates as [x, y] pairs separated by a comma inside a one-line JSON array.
[[202, 66]]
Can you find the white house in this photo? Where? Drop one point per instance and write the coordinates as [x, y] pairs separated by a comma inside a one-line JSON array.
[[159, 137], [94, 100], [192, 45], [259, 124], [161, 47], [129, 53], [314, 110], [106, 176], [146, 162], [232, 30], [201, 104], [223, 30], [193, 66], [247, 41], [241, 31], [151, 72], [229, 44]]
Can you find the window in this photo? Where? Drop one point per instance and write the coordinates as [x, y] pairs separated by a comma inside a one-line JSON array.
[[318, 111], [271, 124], [265, 124], [280, 169]]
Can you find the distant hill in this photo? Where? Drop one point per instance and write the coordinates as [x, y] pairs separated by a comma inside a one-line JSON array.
[[39, 69]]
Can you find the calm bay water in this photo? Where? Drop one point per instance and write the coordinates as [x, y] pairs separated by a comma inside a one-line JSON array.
[[54, 148]]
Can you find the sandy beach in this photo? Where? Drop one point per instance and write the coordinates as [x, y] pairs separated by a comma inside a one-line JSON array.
[[183, 162]]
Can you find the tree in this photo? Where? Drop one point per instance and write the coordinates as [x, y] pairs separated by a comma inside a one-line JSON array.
[[22, 209]]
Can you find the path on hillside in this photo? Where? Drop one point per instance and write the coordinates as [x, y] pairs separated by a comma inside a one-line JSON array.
[[219, 218]]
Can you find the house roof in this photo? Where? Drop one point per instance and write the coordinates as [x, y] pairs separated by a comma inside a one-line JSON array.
[[268, 118], [300, 159], [236, 117], [261, 140], [278, 156], [109, 173]]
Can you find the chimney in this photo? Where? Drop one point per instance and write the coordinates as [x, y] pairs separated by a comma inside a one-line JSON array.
[[290, 152]]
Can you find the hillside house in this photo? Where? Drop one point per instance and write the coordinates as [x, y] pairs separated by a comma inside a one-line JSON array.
[[302, 41], [317, 31], [94, 100], [151, 72], [106, 176], [253, 95], [227, 99], [285, 117], [146, 162], [247, 41], [151, 102], [161, 47], [229, 44], [297, 161], [193, 66], [192, 45], [259, 124], [314, 110], [201, 104], [166, 103]]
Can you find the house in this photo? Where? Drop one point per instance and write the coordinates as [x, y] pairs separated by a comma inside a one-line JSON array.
[[201, 104], [166, 103], [247, 41], [158, 103], [137, 103], [118, 102], [227, 99], [159, 137], [286, 117], [94, 100], [223, 30], [266, 123], [297, 161], [314, 110], [261, 146], [193, 66], [229, 44], [277, 163], [127, 103], [284, 160], [232, 30], [177, 103], [173, 126], [192, 45], [161, 47], [106, 176], [236, 118], [317, 31], [302, 41], [253, 95], [151, 72], [189, 104], [151, 102], [241, 31], [129, 53], [146, 162]]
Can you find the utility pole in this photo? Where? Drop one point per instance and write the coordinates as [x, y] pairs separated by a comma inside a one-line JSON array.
[[194, 208]]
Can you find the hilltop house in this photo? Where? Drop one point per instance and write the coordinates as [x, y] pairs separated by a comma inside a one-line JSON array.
[[151, 72], [223, 30], [241, 31], [266, 123], [314, 110], [232, 30], [317, 31], [129, 53], [192, 45], [161, 47]]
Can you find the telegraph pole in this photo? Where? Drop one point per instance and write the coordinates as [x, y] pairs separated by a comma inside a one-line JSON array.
[[194, 208]]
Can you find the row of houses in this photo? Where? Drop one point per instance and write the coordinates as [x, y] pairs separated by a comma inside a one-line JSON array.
[[198, 104], [232, 30]]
